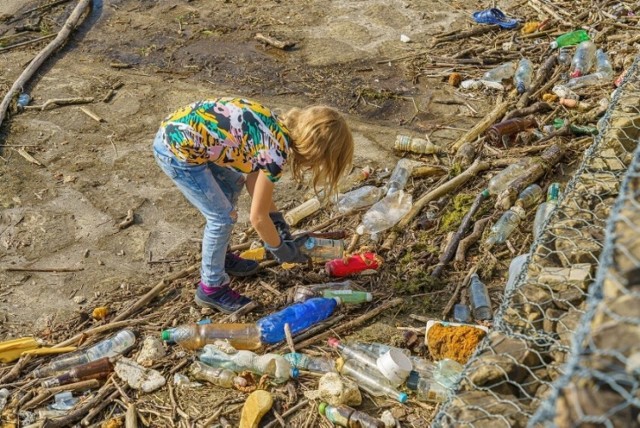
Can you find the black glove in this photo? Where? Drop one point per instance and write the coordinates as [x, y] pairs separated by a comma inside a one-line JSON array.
[[281, 225], [289, 251]]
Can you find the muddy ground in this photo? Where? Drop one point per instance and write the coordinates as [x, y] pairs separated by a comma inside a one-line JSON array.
[[64, 214]]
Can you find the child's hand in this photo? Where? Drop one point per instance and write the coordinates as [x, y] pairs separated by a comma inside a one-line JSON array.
[[281, 225], [289, 251]]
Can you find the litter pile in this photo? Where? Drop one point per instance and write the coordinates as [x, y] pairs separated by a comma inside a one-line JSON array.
[[155, 360]]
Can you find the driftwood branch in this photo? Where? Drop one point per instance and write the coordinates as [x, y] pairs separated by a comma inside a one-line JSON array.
[[77, 414], [544, 72], [456, 292], [539, 107], [274, 42], [28, 42], [473, 237], [128, 220], [59, 102], [481, 126]]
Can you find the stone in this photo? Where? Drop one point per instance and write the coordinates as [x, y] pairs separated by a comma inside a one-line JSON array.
[[575, 244], [551, 317], [139, 377], [152, 350], [607, 160], [388, 420], [570, 299], [490, 370], [257, 404], [563, 278], [335, 390], [79, 300], [582, 399], [482, 410], [567, 325]]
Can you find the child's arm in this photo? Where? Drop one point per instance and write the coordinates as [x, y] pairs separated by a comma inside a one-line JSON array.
[[261, 190]]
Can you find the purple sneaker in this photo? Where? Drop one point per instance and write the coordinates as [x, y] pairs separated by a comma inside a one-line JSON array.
[[222, 298], [235, 265]]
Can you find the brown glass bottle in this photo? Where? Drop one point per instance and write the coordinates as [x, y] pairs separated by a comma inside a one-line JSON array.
[[98, 369], [509, 128]]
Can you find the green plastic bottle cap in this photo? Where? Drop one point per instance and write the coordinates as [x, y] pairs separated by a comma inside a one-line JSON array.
[[166, 335], [321, 408], [403, 397]]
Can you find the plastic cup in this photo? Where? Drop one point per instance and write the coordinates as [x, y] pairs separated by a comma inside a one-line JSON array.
[[395, 366]]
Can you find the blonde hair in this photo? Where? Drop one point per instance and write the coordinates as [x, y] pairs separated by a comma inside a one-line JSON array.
[[321, 143]]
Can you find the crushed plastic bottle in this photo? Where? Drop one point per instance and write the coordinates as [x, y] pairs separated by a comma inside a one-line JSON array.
[[356, 263], [322, 250], [530, 196], [406, 143], [505, 226], [514, 271], [370, 380], [480, 301], [427, 389], [195, 336], [306, 292], [299, 316], [359, 198], [563, 91], [447, 372], [564, 56], [98, 369], [501, 181], [500, 73], [546, 208], [273, 365], [570, 39], [461, 313], [116, 345], [385, 213], [309, 363], [523, 75], [345, 416], [64, 401], [399, 176], [217, 376], [583, 59]]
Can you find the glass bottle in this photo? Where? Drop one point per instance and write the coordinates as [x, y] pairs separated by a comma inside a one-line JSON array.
[[505, 226], [344, 416], [299, 316], [217, 376], [406, 143], [530, 196], [461, 313], [309, 363], [546, 208], [98, 369], [570, 39], [501, 72], [370, 380], [500, 181], [509, 127], [320, 249], [583, 59], [359, 198], [523, 76], [427, 389], [480, 301], [306, 292]]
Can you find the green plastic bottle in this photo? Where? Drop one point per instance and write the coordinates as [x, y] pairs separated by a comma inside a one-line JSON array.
[[348, 296], [570, 39]]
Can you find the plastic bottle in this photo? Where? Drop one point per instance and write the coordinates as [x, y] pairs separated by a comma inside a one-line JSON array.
[[116, 345], [514, 271], [523, 76], [371, 381], [375, 349], [530, 196], [299, 316], [604, 73], [385, 213], [447, 372], [399, 176], [356, 263], [320, 249], [23, 100], [546, 208], [564, 56], [570, 39], [497, 133], [273, 365], [500, 181], [505, 226], [98, 369], [563, 91], [603, 65], [480, 301], [4, 397], [312, 364], [344, 416], [195, 336], [406, 143], [64, 401], [306, 292], [217, 376], [299, 213], [500, 73], [348, 296], [359, 198], [461, 313], [583, 59], [350, 353], [427, 389]]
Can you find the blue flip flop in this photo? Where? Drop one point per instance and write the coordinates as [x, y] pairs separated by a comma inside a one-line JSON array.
[[494, 16]]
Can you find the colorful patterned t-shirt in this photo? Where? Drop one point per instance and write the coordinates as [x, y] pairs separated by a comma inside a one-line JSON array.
[[229, 132]]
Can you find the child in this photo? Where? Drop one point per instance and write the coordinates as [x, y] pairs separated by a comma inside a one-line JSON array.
[[211, 148]]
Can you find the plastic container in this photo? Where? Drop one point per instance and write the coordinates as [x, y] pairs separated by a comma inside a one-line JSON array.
[[23, 100], [564, 56], [195, 336], [370, 380], [299, 316], [375, 349], [427, 389], [64, 401], [530, 196], [399, 176], [515, 268], [309, 363], [570, 39], [299, 213], [322, 250], [116, 345], [395, 366], [500, 132], [500, 73], [603, 65], [359, 198], [505, 226], [201, 322], [344, 416], [546, 208], [98, 369], [563, 91], [354, 264], [461, 313], [406, 143], [447, 372], [583, 59], [480, 301], [306, 292], [272, 365], [216, 376], [348, 297], [523, 76], [500, 181], [385, 213]]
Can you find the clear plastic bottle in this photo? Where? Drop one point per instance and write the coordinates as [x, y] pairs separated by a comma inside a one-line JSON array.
[[447, 372], [375, 349], [570, 39], [195, 336], [523, 76], [564, 56], [399, 176], [359, 198], [299, 213], [344, 416], [217, 376], [370, 380], [604, 73], [4, 397], [500, 73], [427, 389], [312, 364], [530, 196], [98, 369], [461, 313], [347, 297], [546, 208], [385, 213], [480, 301], [299, 316], [406, 143], [583, 59], [514, 271], [306, 292], [603, 65], [322, 250], [505, 226], [116, 345], [349, 353], [273, 365], [501, 181], [563, 91]]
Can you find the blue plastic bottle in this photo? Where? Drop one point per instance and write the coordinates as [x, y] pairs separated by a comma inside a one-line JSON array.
[[299, 316]]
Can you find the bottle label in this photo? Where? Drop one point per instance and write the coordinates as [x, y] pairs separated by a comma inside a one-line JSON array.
[[403, 142]]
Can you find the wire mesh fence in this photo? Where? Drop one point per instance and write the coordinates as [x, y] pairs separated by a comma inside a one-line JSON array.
[[565, 347]]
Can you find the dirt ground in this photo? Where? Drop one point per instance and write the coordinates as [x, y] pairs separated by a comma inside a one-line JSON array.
[[64, 214]]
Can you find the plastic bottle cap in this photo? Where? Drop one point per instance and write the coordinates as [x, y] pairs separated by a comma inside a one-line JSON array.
[[369, 297], [321, 408], [412, 381], [295, 372], [403, 397], [394, 365], [333, 342], [166, 335]]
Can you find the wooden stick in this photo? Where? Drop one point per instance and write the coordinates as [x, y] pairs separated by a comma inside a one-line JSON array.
[[482, 126], [28, 42], [14, 373], [539, 107], [35, 269], [476, 31], [77, 386], [128, 220], [475, 168], [58, 102], [40, 398], [91, 114], [22, 152], [243, 310], [353, 323], [473, 237], [318, 328], [427, 171], [99, 408], [62, 36], [131, 417], [544, 72], [69, 419], [287, 335], [289, 412], [454, 297], [44, 7], [273, 42]]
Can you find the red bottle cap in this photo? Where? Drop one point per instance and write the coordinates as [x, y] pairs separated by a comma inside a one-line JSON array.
[[576, 73], [333, 342]]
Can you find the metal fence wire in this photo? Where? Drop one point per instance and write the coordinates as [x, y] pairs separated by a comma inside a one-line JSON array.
[[565, 347]]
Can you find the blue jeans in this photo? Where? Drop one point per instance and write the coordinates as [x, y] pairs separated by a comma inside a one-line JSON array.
[[214, 191]]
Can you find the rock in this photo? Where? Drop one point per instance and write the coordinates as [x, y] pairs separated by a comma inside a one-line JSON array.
[[152, 350], [563, 278], [598, 183], [570, 299], [492, 370], [625, 306], [551, 317], [139, 377], [481, 410], [567, 325], [607, 160], [336, 390], [388, 419], [79, 299], [575, 244], [258, 403]]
